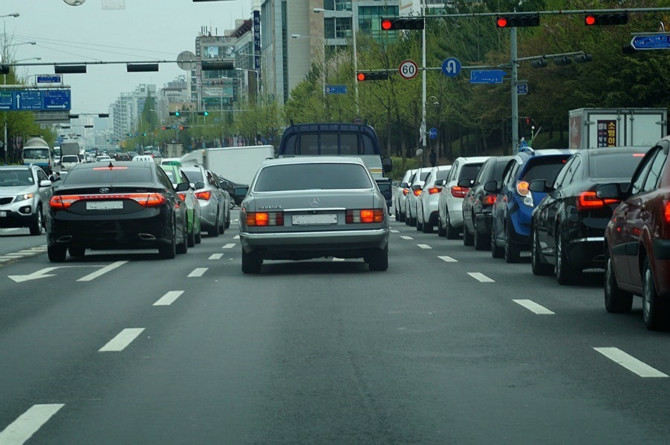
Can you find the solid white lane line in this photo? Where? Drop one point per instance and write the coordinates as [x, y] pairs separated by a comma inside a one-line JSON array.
[[480, 277], [229, 246], [630, 363], [447, 259], [198, 272], [216, 256], [424, 246], [394, 231], [169, 298], [338, 259], [104, 270], [122, 340], [406, 237], [28, 423], [534, 307]]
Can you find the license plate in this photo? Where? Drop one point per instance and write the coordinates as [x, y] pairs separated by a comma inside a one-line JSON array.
[[311, 220], [104, 205], [3, 214]]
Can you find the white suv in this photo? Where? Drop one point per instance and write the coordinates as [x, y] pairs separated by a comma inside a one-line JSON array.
[[415, 185], [426, 215], [400, 196], [461, 176], [25, 192]]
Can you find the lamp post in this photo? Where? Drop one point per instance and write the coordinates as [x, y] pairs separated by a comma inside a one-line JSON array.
[[4, 55], [354, 28]]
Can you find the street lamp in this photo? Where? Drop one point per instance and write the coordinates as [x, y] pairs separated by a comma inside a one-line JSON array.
[[13, 14], [353, 32]]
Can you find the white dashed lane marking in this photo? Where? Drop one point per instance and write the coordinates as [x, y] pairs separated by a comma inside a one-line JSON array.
[[169, 298], [122, 340], [630, 363], [447, 259], [406, 237], [229, 246], [534, 307], [27, 424], [198, 272], [424, 246], [216, 256], [102, 271], [481, 277]]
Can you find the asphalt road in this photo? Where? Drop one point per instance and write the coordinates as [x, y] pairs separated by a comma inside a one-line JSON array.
[[448, 346]]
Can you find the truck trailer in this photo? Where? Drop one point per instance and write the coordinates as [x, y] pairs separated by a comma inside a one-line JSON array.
[[236, 164], [616, 127]]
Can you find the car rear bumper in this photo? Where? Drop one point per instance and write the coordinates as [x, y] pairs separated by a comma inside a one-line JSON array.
[[587, 252], [344, 243]]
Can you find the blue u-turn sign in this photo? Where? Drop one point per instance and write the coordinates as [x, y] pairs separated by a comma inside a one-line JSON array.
[[451, 67]]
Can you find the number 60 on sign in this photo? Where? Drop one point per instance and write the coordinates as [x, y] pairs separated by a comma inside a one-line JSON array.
[[408, 69]]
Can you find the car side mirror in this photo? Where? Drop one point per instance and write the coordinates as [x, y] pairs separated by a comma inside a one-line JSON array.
[[609, 191], [387, 164], [465, 183], [199, 185], [417, 187], [183, 186], [539, 185], [45, 183], [491, 187], [440, 183]]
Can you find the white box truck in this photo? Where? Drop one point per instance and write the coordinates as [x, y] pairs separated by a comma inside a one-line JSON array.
[[237, 164], [616, 127]]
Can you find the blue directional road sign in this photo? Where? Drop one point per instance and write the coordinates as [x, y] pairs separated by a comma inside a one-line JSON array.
[[432, 133], [656, 41], [6, 100], [56, 100], [336, 89], [451, 67], [35, 100], [28, 100], [49, 78], [486, 76], [522, 88]]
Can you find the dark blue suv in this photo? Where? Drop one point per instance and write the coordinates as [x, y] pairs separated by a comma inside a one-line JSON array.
[[510, 230]]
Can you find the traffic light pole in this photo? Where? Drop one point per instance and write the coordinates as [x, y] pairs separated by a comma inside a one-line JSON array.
[[515, 96], [424, 143]]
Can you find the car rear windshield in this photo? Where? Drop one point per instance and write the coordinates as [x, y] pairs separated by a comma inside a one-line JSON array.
[[324, 143], [194, 175], [614, 165], [312, 176], [543, 167], [469, 171], [107, 175], [70, 158]]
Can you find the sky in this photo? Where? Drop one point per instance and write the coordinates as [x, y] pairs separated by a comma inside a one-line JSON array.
[[138, 30]]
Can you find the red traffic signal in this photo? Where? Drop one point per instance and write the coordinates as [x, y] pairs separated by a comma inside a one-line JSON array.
[[362, 76], [606, 19], [518, 20], [403, 23]]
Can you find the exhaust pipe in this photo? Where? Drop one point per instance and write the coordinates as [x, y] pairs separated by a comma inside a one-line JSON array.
[[146, 237]]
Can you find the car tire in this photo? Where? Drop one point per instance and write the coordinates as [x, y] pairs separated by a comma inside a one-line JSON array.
[[183, 246], [449, 231], [617, 301], [654, 312], [565, 273], [496, 252], [480, 241], [37, 224], [191, 236], [468, 237], [198, 236], [440, 229], [379, 260], [76, 252], [251, 262], [536, 264], [427, 227], [56, 253], [419, 224], [168, 251], [511, 251]]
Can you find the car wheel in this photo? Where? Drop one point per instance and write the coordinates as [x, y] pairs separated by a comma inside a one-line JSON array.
[[419, 223], [496, 252], [616, 300], [76, 252], [480, 240], [183, 246], [440, 229], [198, 237], [654, 313], [191, 236], [536, 264], [379, 260], [222, 224], [251, 262], [468, 237], [565, 274], [56, 253], [169, 250], [449, 230], [36, 225], [511, 251]]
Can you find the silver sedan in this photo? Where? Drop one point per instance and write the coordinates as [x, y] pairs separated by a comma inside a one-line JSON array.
[[303, 208]]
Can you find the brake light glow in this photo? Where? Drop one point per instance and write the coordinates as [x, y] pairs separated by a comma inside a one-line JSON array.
[[417, 192], [206, 194], [666, 211], [489, 200], [589, 201], [144, 199], [111, 167], [182, 196], [263, 219], [522, 188], [405, 191], [433, 190], [364, 216], [459, 192]]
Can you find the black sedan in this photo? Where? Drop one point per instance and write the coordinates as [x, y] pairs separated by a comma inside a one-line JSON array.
[[116, 205], [568, 226]]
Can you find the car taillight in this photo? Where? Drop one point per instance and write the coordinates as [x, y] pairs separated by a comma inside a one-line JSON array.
[[417, 192], [364, 216], [522, 188], [459, 192], [182, 196], [405, 191], [433, 190], [589, 201], [489, 200], [666, 211], [144, 199], [265, 219], [204, 195]]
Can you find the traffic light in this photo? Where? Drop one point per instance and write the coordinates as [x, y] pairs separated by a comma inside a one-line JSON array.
[[562, 60], [518, 20], [4, 69], [183, 127], [615, 18], [362, 76], [581, 58], [174, 113], [203, 113], [404, 23]]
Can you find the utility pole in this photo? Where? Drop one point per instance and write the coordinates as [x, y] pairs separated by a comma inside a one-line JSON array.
[[515, 96], [423, 85]]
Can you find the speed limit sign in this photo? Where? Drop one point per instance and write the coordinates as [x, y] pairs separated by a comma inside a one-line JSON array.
[[408, 69]]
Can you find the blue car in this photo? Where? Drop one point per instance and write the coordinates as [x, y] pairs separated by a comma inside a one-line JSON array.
[[510, 229]]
